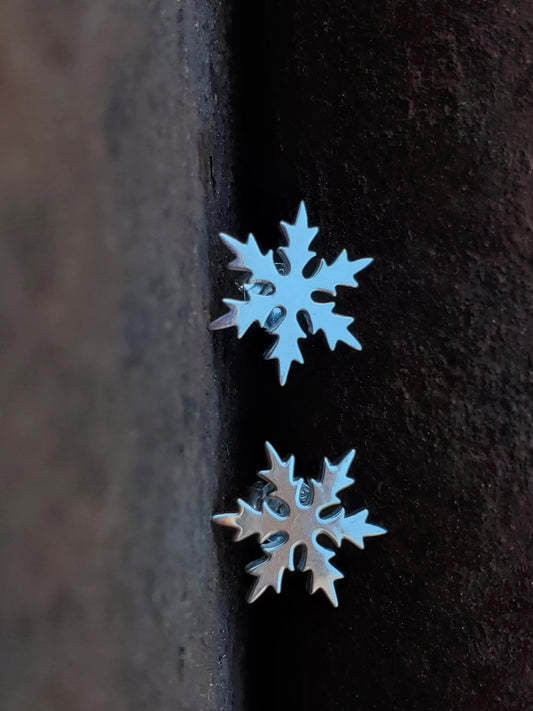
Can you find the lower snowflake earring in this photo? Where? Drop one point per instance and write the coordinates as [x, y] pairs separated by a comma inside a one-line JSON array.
[[286, 512]]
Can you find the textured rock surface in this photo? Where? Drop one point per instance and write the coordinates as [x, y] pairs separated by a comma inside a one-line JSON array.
[[407, 128]]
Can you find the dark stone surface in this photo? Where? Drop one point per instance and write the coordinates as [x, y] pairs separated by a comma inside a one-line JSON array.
[[407, 128], [168, 126]]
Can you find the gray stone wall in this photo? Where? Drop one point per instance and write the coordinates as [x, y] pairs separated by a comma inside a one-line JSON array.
[[112, 596]]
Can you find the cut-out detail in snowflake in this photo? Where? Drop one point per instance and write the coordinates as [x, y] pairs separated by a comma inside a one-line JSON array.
[[277, 291], [288, 514]]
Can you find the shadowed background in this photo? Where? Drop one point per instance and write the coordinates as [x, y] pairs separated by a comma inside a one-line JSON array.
[[131, 134]]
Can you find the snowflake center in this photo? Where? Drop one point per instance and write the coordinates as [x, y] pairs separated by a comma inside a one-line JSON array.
[[300, 521], [291, 294]]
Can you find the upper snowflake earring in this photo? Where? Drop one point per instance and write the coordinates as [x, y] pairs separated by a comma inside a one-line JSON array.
[[286, 513], [277, 291]]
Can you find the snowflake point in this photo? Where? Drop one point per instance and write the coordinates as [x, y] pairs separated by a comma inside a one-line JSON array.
[[361, 264], [227, 519], [280, 475], [355, 528], [273, 456], [235, 246], [256, 590], [230, 318], [283, 366], [264, 579], [301, 215], [335, 473], [346, 458], [328, 588], [300, 232]]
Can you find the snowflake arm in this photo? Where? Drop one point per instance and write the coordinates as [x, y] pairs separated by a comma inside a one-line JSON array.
[[334, 326], [340, 273], [334, 479], [249, 522], [286, 349], [280, 475], [249, 258], [355, 528], [243, 314], [322, 573], [299, 236], [269, 570], [256, 306]]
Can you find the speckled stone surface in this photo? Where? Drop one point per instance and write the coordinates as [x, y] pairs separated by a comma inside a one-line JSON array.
[[407, 129]]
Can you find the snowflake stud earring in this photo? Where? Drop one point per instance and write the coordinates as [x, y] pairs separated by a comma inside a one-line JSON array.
[[275, 292], [286, 513]]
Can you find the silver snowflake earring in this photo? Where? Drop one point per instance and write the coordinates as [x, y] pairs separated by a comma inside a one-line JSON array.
[[286, 513], [277, 291]]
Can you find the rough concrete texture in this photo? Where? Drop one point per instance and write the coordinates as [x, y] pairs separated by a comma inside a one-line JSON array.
[[407, 128], [111, 595]]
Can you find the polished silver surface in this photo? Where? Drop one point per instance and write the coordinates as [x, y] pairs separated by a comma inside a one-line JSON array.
[[276, 291], [288, 513]]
